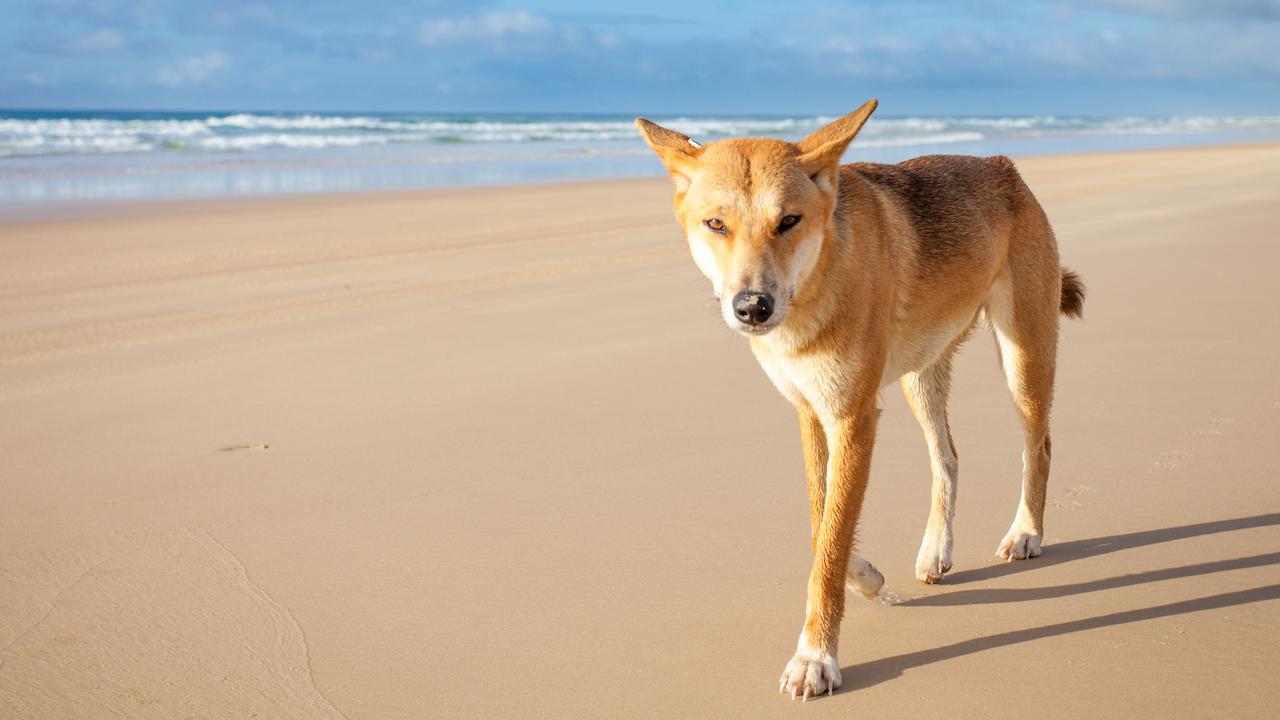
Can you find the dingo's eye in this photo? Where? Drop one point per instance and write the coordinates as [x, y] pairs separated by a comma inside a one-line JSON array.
[[788, 222], [715, 225]]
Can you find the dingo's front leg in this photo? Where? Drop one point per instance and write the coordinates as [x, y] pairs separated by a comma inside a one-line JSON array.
[[863, 577], [814, 669], [926, 391]]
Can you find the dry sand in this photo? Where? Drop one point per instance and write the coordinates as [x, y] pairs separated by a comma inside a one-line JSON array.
[[491, 453]]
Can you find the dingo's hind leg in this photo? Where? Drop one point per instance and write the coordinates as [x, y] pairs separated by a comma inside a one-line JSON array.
[[1023, 309]]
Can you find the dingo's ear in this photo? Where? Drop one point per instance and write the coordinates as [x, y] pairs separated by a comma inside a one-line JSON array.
[[820, 152], [677, 151]]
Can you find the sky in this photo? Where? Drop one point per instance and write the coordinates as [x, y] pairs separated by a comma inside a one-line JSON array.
[[1089, 57]]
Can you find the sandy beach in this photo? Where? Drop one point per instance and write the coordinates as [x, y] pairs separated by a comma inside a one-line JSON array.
[[492, 453]]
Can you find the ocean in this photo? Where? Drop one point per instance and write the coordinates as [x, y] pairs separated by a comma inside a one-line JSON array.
[[92, 157]]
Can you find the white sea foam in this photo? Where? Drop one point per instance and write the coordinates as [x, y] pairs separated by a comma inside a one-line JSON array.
[[923, 139], [25, 134]]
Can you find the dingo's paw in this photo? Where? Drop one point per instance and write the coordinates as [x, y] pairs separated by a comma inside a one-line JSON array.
[[863, 578], [1019, 545], [809, 674], [934, 559]]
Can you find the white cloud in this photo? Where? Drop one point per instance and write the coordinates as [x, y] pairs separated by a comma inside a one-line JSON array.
[[103, 40], [514, 32], [1013, 48], [193, 70], [1259, 9], [490, 26]]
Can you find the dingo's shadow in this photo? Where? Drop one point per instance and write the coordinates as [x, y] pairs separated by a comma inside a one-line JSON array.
[[1007, 595], [1057, 553], [878, 671]]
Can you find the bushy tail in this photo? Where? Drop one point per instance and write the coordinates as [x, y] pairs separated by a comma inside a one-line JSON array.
[[1072, 294]]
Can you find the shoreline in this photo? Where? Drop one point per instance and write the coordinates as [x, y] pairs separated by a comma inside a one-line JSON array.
[[53, 211]]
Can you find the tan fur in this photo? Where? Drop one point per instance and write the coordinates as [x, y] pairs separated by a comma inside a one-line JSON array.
[[884, 276]]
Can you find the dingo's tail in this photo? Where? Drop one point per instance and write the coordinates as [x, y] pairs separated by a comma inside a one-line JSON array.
[[1072, 294]]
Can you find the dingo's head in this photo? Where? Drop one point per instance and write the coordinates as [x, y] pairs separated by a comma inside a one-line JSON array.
[[755, 212]]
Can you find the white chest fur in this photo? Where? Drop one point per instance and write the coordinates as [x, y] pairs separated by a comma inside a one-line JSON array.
[[827, 381], [821, 381]]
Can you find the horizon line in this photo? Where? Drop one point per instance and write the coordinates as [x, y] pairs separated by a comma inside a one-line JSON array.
[[266, 111]]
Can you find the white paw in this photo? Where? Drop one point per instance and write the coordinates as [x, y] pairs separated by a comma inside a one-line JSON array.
[[863, 578], [809, 674], [1019, 545], [934, 559]]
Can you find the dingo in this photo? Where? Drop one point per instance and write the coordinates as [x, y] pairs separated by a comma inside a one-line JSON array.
[[846, 278]]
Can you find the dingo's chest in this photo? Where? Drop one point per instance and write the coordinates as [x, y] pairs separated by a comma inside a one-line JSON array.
[[821, 381], [827, 381]]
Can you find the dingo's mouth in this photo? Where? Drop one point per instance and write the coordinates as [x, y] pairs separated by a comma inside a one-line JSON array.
[[754, 330]]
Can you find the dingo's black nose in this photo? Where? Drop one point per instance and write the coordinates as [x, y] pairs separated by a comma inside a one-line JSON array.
[[752, 308]]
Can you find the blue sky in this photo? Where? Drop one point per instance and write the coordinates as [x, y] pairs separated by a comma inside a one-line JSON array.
[[1091, 57]]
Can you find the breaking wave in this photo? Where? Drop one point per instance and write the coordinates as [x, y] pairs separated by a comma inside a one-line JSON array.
[[25, 134]]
